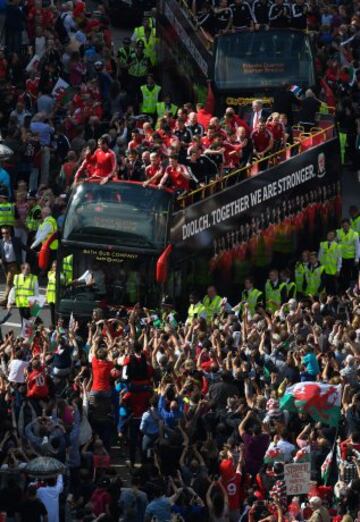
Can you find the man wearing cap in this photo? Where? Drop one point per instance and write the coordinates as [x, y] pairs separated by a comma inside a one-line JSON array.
[[320, 513], [125, 56]]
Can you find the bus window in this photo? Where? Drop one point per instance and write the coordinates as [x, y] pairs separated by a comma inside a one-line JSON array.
[[118, 214], [108, 276], [248, 60]]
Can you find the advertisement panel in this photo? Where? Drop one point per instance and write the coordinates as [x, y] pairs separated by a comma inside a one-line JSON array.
[[291, 204]]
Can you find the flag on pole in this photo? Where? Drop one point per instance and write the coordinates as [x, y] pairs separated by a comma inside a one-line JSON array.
[[36, 304], [327, 465], [321, 401]]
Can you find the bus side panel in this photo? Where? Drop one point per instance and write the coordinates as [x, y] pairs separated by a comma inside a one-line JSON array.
[[260, 222]]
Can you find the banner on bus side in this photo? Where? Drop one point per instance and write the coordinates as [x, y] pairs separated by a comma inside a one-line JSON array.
[[299, 185]]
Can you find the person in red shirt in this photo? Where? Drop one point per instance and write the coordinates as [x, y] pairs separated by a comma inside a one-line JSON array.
[[105, 161], [37, 386], [87, 166], [263, 143], [231, 480], [177, 174], [233, 121], [102, 370], [277, 130], [153, 172]]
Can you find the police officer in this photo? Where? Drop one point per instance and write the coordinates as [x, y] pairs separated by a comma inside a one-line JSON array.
[[125, 56], [348, 240], [25, 285], [196, 308], [300, 269], [314, 276], [33, 217], [47, 227], [7, 210], [275, 292], [290, 285], [147, 34], [355, 218], [330, 259], [212, 303], [150, 96], [139, 68], [251, 295]]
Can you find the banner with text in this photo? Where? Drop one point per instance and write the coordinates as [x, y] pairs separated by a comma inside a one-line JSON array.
[[296, 183], [297, 478]]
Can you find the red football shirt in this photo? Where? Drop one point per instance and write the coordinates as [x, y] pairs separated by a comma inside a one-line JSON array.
[[101, 375]]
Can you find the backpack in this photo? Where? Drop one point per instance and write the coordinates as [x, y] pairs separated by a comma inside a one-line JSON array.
[[60, 29]]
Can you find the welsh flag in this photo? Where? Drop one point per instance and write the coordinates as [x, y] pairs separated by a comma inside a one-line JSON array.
[[303, 455], [327, 465], [36, 304], [273, 454], [321, 401]]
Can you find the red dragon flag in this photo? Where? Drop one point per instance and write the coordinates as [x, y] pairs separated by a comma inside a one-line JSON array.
[[321, 401]]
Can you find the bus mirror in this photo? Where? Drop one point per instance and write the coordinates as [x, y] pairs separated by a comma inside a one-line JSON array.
[[44, 254], [162, 265]]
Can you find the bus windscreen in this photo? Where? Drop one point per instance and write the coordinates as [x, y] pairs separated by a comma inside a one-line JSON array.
[[249, 60], [121, 214]]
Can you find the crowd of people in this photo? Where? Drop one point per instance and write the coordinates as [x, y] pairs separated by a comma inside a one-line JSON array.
[[194, 403]]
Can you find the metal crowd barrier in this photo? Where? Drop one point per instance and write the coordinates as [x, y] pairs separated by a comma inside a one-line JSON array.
[[302, 142]]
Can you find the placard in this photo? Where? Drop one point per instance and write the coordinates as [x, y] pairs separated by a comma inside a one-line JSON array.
[[297, 478]]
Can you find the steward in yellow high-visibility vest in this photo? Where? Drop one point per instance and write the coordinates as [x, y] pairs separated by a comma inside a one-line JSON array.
[[348, 240], [355, 218], [212, 303], [330, 259], [196, 308], [299, 272], [275, 292], [25, 285], [166, 107], [47, 227], [150, 93], [290, 285], [314, 277], [7, 211], [251, 296], [51, 290]]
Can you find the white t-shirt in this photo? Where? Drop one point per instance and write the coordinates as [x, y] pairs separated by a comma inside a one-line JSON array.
[[17, 371], [286, 448], [49, 496]]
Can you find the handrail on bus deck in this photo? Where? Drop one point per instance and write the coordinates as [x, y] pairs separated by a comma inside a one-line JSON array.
[[272, 159]]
